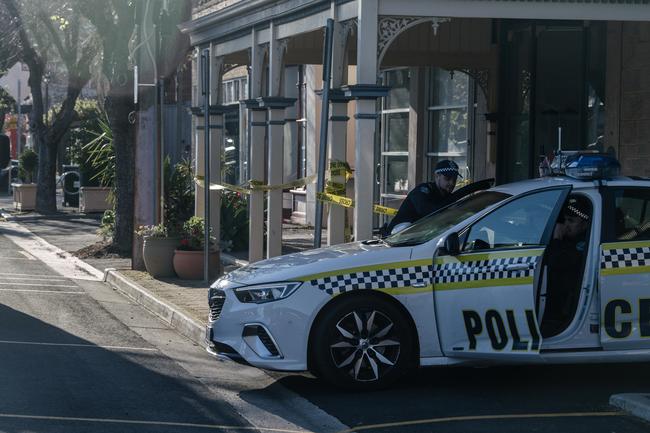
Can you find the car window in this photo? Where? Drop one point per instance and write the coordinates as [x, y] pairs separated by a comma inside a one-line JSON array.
[[438, 222], [632, 214], [520, 223]]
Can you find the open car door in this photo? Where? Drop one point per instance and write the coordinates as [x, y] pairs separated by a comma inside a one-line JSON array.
[[485, 283], [624, 276]]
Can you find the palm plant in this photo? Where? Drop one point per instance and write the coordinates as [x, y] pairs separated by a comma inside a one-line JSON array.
[[101, 154]]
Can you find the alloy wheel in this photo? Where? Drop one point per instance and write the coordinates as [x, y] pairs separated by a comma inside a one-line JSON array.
[[365, 345]]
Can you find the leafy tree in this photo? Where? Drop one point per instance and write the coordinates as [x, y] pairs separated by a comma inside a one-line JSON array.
[[115, 22], [39, 29]]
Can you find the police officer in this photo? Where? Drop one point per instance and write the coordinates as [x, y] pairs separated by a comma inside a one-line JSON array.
[[429, 196], [565, 258]]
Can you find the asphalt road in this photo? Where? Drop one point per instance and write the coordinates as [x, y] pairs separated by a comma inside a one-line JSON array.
[[573, 399], [76, 357], [73, 359]]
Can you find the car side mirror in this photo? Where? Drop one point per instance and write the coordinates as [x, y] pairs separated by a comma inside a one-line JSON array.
[[399, 227], [452, 244]]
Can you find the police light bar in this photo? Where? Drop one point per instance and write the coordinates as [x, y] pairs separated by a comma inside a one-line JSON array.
[[592, 166], [582, 165]]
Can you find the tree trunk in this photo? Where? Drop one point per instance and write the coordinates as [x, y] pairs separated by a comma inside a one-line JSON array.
[[46, 187], [118, 105]]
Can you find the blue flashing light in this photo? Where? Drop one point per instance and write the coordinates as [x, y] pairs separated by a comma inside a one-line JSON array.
[[589, 166]]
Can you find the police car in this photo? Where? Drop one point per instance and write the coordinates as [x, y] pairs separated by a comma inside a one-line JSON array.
[[467, 284]]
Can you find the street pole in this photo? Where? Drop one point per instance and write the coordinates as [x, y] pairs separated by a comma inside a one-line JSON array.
[[205, 76], [324, 118]]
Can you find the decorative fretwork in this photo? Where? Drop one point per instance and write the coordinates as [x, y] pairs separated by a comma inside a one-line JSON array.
[[481, 76], [389, 27]]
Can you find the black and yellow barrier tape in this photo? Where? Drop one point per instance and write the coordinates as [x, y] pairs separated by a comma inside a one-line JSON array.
[[334, 191], [256, 185], [348, 202]]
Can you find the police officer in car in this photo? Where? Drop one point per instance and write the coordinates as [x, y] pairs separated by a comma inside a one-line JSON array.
[[565, 258], [429, 196]]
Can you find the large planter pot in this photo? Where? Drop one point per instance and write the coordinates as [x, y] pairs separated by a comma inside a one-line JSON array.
[[93, 199], [24, 196], [189, 264], [158, 256]]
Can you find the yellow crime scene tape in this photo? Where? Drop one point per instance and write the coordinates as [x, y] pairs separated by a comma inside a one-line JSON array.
[[256, 185], [348, 202], [334, 191]]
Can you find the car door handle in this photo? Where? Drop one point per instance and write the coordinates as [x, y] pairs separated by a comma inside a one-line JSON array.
[[518, 267], [419, 284]]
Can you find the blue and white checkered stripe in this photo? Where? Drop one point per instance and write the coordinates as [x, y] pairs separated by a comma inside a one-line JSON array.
[[617, 258], [378, 279], [482, 270]]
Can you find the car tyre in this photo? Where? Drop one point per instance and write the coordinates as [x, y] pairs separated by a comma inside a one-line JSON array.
[[362, 343]]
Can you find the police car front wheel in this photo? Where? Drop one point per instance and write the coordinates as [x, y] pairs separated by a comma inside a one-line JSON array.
[[362, 343]]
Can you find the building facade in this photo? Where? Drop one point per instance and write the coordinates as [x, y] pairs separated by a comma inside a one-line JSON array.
[[495, 85]]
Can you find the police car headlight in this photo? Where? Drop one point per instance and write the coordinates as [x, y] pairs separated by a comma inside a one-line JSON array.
[[266, 292]]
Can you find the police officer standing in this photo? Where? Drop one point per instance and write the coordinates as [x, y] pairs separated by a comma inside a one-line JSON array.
[[429, 196]]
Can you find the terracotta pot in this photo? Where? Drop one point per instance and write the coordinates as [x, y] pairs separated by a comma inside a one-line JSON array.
[[158, 255], [189, 264]]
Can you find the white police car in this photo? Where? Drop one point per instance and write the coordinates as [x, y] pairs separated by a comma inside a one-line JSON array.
[[468, 284]]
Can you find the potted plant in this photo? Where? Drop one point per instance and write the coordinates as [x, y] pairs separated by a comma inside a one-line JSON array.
[[97, 168], [160, 241], [25, 193], [158, 250], [189, 258]]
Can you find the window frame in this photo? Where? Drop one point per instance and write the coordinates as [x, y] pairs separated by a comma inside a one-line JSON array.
[[608, 229], [548, 230]]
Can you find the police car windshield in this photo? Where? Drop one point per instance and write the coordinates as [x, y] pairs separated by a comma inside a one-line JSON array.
[[438, 222]]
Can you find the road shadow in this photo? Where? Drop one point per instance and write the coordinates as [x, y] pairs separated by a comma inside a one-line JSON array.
[[464, 391], [72, 377]]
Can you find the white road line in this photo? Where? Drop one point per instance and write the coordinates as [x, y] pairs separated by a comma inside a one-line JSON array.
[[29, 275], [26, 254], [56, 292], [60, 261], [14, 258], [59, 280], [151, 423], [90, 346], [37, 285]]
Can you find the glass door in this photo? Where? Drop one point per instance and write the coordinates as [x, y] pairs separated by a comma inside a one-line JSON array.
[[393, 167], [517, 78], [448, 120]]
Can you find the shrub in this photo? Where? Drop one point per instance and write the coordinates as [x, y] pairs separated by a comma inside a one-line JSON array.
[[107, 224], [27, 165], [234, 221], [193, 235], [179, 194]]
